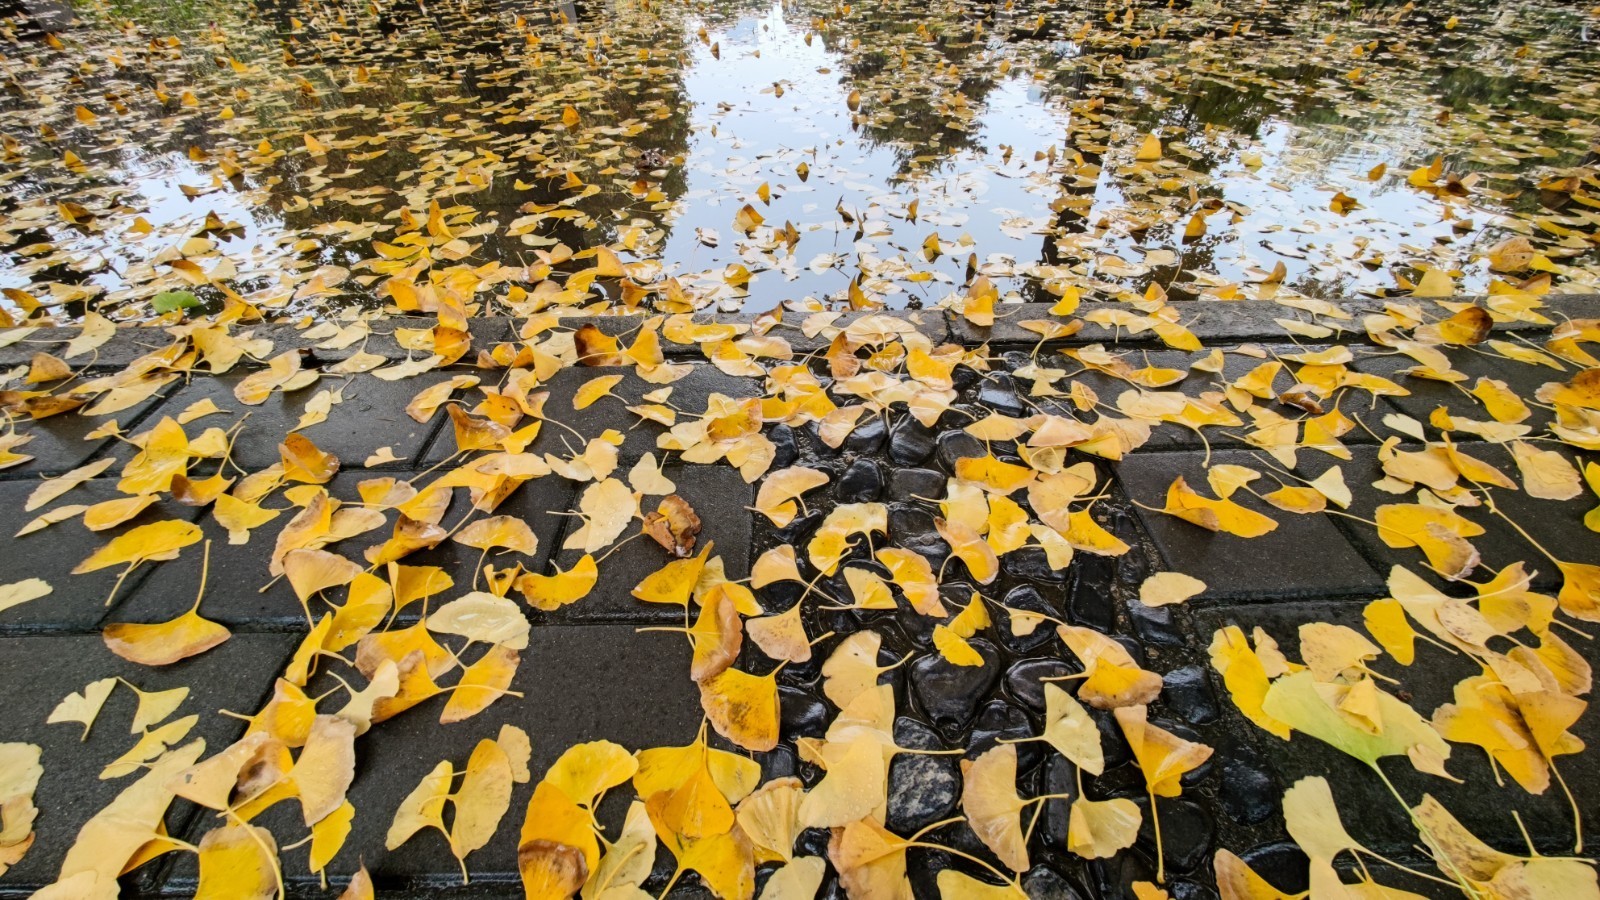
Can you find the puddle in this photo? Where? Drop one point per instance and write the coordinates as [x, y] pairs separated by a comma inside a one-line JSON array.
[[751, 154]]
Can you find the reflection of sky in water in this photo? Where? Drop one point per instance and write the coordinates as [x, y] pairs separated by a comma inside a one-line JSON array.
[[1313, 131], [153, 184], [761, 137]]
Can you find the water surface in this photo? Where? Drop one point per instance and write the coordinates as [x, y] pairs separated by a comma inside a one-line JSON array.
[[889, 151]]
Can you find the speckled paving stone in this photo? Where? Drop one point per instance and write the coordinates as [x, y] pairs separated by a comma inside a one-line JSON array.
[[78, 602], [1426, 394], [44, 669], [239, 571], [719, 496], [1369, 811], [580, 683], [1195, 382], [688, 395], [372, 415], [1556, 524], [1306, 556], [60, 443]]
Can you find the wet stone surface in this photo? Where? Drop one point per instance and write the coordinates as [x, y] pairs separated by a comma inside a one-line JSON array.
[[589, 673]]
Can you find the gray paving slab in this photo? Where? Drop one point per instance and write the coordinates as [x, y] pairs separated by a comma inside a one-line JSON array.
[[76, 602], [1169, 436], [1426, 395], [1306, 556], [61, 443], [372, 415], [688, 395], [239, 571], [1555, 524], [580, 683], [1368, 810], [719, 496], [44, 669]]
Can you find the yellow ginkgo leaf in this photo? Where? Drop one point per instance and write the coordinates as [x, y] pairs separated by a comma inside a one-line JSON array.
[[1098, 829], [836, 535], [481, 800], [482, 616], [742, 708], [20, 772], [856, 784], [156, 541], [1215, 515], [781, 636], [675, 582], [328, 836], [868, 589], [592, 390], [481, 684], [1237, 881], [1069, 729], [989, 799], [584, 772], [360, 886], [325, 768], [871, 861], [955, 885], [1163, 757], [423, 808], [83, 706], [551, 592], [853, 667], [969, 547], [1166, 588], [1245, 676], [311, 572], [155, 706], [557, 849], [1112, 679], [913, 574], [770, 817], [780, 492], [238, 862], [954, 648], [1312, 819], [164, 643], [499, 532], [775, 565]]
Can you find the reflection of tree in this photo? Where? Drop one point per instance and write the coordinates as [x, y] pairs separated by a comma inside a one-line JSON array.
[[452, 101], [923, 72], [500, 90]]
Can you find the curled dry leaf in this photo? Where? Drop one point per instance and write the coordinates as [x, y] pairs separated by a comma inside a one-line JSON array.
[[674, 525]]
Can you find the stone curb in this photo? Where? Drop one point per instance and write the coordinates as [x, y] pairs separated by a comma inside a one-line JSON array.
[[1211, 322]]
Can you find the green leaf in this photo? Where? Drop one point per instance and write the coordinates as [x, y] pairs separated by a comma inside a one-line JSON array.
[[1305, 704], [172, 301]]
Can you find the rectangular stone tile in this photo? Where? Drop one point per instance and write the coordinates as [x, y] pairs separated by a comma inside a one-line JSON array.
[[77, 602], [372, 415], [61, 443], [1305, 556], [689, 395], [1426, 394], [1556, 525], [1367, 808], [239, 571], [1168, 436], [580, 684], [43, 669], [1212, 322], [719, 496]]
